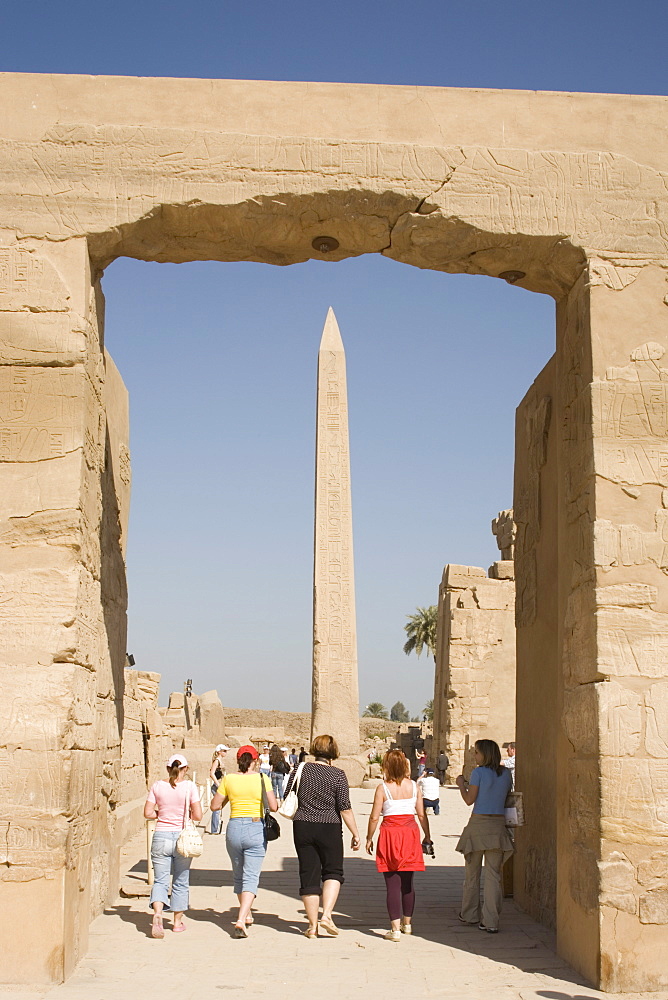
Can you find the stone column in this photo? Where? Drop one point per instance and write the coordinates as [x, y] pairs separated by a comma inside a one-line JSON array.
[[335, 705], [612, 756], [62, 622]]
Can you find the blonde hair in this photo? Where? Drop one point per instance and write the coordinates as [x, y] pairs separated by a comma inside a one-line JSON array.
[[395, 766]]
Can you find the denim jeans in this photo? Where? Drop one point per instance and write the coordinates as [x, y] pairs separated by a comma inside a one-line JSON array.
[[215, 813], [434, 803], [168, 862], [246, 846], [277, 784]]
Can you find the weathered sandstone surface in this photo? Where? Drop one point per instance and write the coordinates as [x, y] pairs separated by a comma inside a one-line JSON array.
[[565, 194]]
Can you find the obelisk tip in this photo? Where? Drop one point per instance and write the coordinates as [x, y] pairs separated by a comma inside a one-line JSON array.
[[331, 335]]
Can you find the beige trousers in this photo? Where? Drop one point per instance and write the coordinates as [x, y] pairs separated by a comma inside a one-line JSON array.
[[492, 891]]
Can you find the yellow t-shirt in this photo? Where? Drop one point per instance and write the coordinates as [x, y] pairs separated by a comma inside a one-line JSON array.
[[244, 793]]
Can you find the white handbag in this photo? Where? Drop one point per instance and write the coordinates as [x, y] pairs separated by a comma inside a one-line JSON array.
[[190, 843], [290, 803]]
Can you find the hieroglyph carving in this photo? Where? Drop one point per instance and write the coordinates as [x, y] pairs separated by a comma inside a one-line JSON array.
[[335, 688], [526, 511]]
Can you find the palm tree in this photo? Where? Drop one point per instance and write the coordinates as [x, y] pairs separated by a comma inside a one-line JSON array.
[[421, 631], [375, 710], [428, 710]]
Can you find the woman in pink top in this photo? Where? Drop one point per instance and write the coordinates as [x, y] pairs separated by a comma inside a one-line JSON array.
[[170, 801]]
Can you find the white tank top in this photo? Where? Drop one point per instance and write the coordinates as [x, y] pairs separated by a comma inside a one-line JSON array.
[[399, 807]]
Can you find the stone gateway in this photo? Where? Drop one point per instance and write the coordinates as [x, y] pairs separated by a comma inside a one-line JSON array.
[[565, 194]]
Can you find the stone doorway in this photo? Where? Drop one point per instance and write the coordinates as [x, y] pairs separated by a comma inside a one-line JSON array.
[[564, 194]]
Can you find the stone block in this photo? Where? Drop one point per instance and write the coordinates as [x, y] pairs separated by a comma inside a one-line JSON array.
[[618, 883], [654, 907], [502, 570], [211, 717], [656, 720], [494, 595], [634, 801], [176, 700], [653, 872]]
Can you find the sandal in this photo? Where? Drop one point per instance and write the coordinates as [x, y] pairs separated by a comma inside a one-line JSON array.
[[240, 931], [179, 928], [329, 926], [310, 932], [157, 929]]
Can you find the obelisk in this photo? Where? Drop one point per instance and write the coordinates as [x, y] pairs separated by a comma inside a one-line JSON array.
[[335, 703]]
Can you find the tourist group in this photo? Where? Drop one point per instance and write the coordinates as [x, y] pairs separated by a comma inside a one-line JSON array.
[[317, 799]]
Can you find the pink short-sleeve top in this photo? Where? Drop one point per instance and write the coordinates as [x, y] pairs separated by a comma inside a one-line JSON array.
[[171, 802]]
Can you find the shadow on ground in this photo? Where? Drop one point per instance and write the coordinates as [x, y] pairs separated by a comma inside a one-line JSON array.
[[521, 942]]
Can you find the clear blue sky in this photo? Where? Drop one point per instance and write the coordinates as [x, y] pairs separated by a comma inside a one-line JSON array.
[[220, 359]]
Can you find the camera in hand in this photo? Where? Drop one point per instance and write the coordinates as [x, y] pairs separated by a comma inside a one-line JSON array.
[[428, 848]]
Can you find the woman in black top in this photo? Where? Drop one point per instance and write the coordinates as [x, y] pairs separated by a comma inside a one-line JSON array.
[[279, 769], [324, 800]]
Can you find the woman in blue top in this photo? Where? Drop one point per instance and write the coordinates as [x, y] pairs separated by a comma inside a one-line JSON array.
[[485, 836]]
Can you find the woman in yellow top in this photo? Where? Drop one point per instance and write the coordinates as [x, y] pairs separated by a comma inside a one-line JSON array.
[[245, 838]]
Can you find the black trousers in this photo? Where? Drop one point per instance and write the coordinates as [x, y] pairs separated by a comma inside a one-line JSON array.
[[319, 849]]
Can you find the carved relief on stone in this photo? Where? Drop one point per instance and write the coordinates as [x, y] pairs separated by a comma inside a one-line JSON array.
[[526, 511]]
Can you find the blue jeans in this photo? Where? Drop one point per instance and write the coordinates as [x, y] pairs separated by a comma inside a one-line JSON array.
[[277, 784], [215, 813], [434, 803], [168, 862], [246, 846]]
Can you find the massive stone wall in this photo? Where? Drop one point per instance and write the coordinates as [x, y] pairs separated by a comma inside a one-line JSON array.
[[566, 192], [536, 610], [65, 474], [474, 687]]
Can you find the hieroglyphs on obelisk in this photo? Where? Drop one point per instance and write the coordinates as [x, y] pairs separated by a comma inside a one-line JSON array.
[[335, 694]]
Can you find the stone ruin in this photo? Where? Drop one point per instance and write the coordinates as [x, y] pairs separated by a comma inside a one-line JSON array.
[[562, 194], [474, 684]]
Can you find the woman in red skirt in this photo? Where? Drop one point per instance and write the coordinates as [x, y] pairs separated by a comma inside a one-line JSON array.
[[399, 852]]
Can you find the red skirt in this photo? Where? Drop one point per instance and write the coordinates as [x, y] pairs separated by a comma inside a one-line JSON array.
[[399, 847]]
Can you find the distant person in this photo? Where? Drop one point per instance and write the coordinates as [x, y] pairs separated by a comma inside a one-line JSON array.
[[442, 762], [399, 851], [265, 764], [171, 801], [302, 755], [485, 836], [279, 767], [430, 788], [293, 759], [509, 762], [324, 800], [422, 763], [288, 768], [245, 838], [216, 773]]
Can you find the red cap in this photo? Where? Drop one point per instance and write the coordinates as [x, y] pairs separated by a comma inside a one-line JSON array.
[[247, 749]]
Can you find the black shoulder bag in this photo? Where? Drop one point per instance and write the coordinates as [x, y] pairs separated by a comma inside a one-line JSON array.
[[272, 830]]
